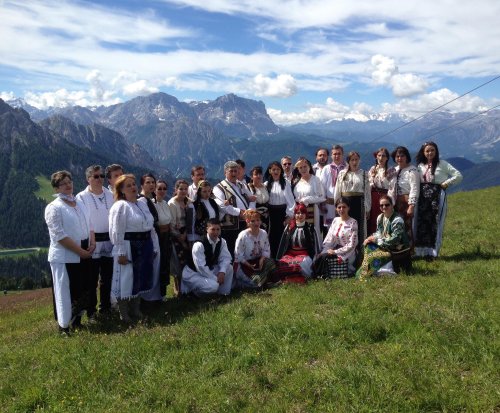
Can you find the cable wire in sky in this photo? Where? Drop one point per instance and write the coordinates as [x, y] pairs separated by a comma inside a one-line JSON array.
[[439, 107]]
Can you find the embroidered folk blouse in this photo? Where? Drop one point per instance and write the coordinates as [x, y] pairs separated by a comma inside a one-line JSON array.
[[378, 178], [349, 181], [279, 196], [249, 247], [406, 182], [342, 237], [445, 173]]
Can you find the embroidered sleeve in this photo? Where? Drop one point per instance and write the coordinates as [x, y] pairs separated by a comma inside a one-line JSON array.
[[117, 227], [53, 218], [395, 238], [349, 240], [414, 179]]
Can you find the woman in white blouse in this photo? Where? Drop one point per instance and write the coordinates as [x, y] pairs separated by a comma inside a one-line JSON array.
[[260, 191], [252, 254], [308, 190], [72, 243], [379, 176], [164, 221], [339, 247], [135, 246], [404, 188], [353, 184], [435, 177], [204, 208], [281, 203]]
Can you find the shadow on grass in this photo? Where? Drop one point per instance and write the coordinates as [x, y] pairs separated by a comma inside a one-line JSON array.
[[168, 312], [475, 254]]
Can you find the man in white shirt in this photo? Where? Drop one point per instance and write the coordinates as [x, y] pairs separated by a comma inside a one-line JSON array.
[[318, 168], [98, 201], [197, 175], [210, 270], [321, 161], [329, 180], [113, 172], [233, 201], [286, 163]]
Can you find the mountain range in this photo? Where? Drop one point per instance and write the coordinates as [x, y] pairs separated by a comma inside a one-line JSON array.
[[159, 133]]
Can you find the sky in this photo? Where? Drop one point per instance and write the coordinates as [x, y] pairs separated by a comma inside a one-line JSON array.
[[307, 60]]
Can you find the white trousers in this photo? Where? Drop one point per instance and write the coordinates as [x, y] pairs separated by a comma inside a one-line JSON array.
[[62, 296], [194, 282]]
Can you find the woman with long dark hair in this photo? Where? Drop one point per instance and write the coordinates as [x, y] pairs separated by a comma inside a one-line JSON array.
[[353, 184], [281, 203], [435, 177], [379, 176], [405, 188], [205, 208]]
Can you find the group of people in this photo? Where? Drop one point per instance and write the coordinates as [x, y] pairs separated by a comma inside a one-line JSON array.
[[286, 223]]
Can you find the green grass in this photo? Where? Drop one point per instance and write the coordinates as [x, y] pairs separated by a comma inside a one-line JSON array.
[[45, 190], [20, 252], [426, 342]]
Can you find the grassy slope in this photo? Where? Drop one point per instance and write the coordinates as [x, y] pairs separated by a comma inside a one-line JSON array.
[[428, 342]]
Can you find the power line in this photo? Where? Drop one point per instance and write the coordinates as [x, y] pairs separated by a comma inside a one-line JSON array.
[[463, 120], [435, 109]]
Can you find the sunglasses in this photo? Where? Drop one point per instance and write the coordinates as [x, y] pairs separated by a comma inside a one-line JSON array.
[[385, 205], [97, 176]]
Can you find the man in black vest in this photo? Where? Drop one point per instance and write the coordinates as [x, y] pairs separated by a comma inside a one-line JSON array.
[[209, 271]]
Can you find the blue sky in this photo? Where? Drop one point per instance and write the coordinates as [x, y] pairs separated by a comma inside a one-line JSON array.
[[307, 60]]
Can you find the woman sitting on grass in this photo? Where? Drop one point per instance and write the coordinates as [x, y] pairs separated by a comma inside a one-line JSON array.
[[298, 247], [339, 247], [391, 236], [252, 253]]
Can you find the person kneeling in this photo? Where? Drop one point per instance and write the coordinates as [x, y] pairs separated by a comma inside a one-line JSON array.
[[209, 271], [389, 243]]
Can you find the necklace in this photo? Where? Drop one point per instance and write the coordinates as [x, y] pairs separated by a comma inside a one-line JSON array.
[[102, 199]]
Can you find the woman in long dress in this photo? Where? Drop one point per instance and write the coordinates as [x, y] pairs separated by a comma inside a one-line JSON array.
[[252, 254], [390, 237], [135, 246], [404, 188], [339, 247], [72, 243], [164, 222], [308, 190], [353, 184], [298, 248], [182, 218], [435, 177], [379, 176], [281, 203]]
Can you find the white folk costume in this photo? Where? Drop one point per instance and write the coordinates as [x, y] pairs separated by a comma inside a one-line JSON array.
[[237, 200], [356, 188], [281, 205], [132, 234], [342, 237], [69, 272], [432, 206], [311, 194], [329, 176], [101, 274], [379, 179], [192, 191], [250, 248], [208, 259], [404, 189]]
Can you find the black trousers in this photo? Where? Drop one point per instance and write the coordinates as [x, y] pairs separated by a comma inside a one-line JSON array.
[[101, 275]]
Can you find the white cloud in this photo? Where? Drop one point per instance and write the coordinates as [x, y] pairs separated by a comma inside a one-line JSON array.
[[139, 88], [407, 85], [7, 96], [281, 86], [386, 73], [424, 103]]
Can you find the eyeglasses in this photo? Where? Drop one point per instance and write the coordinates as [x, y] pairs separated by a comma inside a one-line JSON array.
[[97, 176], [385, 205], [69, 182]]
